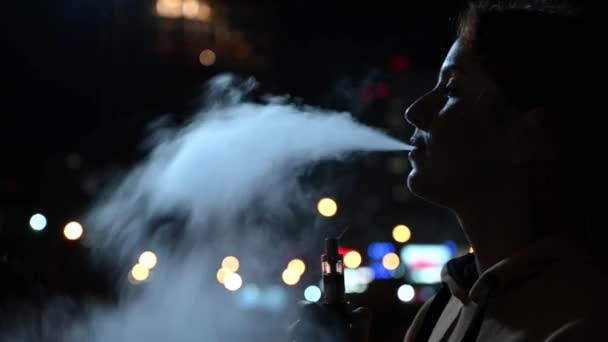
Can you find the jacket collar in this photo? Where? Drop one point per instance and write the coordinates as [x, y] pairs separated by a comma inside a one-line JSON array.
[[461, 276]]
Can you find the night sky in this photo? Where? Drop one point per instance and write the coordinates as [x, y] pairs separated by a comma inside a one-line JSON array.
[[84, 79]]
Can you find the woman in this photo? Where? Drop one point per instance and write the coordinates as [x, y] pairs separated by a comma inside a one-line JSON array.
[[506, 141]]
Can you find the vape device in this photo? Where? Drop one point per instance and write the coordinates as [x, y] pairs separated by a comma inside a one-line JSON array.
[[334, 298], [332, 269]]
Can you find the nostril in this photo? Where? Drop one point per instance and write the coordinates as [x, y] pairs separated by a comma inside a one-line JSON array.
[[419, 114], [411, 116]]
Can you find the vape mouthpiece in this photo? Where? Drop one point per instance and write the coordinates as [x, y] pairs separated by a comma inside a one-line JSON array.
[[331, 248]]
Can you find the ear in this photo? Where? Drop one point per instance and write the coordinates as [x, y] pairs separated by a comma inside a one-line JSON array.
[[530, 137]]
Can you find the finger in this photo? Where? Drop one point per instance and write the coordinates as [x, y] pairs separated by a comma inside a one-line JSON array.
[[361, 319], [299, 331], [303, 303], [292, 330], [314, 312], [303, 331]]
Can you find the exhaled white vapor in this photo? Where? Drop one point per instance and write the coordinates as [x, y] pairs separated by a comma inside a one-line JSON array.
[[233, 156]]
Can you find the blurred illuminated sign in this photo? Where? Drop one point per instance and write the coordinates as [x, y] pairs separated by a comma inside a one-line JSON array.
[[425, 261]]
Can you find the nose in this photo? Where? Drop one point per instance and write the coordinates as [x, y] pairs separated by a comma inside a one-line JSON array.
[[418, 114]]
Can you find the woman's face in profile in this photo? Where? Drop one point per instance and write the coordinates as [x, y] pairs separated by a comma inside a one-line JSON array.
[[460, 145]]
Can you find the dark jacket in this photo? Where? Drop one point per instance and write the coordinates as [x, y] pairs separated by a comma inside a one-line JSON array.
[[549, 291]]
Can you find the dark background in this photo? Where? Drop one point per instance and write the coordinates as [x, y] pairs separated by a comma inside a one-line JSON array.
[[84, 79]]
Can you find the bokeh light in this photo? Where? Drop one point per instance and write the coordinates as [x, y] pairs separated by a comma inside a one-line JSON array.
[[355, 281], [327, 207], [297, 265], [366, 274], [148, 259], [452, 246], [380, 272], [231, 263], [140, 273], [275, 298], [38, 222], [290, 276], [233, 282], [471, 250], [400, 271], [377, 250], [169, 8], [312, 293], [402, 233], [390, 261], [204, 12], [221, 274], [207, 57], [249, 297], [399, 63], [417, 256], [190, 8], [73, 231], [352, 259], [366, 94], [406, 293], [382, 90], [427, 275]]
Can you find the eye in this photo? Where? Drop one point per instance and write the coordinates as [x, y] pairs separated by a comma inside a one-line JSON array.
[[448, 90]]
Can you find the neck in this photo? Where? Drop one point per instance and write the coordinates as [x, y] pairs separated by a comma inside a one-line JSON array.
[[497, 224]]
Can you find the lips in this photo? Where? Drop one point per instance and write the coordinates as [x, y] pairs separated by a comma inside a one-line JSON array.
[[418, 142], [416, 154], [419, 145]]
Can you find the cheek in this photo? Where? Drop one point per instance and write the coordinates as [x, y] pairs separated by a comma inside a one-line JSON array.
[[456, 131], [461, 144]]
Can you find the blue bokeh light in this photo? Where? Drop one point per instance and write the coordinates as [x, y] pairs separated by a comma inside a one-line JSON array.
[[380, 272], [452, 246], [377, 250], [312, 293]]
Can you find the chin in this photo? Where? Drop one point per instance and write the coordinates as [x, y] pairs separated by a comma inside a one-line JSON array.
[[422, 186], [417, 184]]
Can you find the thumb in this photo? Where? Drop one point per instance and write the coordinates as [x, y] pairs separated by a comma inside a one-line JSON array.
[[361, 319]]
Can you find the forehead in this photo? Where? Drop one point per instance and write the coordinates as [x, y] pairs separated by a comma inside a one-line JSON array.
[[460, 59]]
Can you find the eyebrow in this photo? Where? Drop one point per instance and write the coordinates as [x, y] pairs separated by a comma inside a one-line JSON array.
[[451, 67]]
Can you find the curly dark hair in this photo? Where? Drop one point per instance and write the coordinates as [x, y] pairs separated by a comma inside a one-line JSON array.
[[551, 56]]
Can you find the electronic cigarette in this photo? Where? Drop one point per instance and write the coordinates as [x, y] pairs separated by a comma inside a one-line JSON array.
[[332, 269]]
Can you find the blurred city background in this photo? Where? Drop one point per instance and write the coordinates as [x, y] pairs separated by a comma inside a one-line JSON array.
[[86, 79]]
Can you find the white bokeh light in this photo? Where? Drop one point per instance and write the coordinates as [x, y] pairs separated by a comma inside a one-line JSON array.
[[406, 293], [148, 259], [312, 293], [73, 231], [233, 282], [38, 222]]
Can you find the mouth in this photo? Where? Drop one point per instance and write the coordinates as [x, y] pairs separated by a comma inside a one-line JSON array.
[[419, 147], [418, 142]]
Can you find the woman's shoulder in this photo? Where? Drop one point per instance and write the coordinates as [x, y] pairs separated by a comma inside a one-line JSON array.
[[564, 297], [585, 282]]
